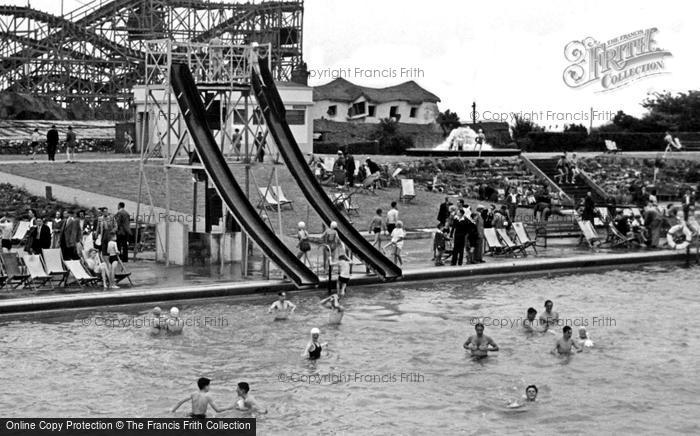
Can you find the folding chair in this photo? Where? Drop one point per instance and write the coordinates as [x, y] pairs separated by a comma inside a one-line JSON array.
[[616, 238], [21, 230], [344, 201], [602, 218], [119, 276], [510, 245], [589, 234], [270, 200], [14, 270], [80, 274], [283, 200], [3, 275], [611, 146], [53, 260], [494, 244], [369, 182], [38, 278], [523, 237], [408, 191]]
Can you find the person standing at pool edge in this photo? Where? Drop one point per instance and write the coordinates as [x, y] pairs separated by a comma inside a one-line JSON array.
[[392, 217], [479, 344], [200, 401]]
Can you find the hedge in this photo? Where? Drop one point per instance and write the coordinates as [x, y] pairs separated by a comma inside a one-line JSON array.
[[395, 146], [579, 141]]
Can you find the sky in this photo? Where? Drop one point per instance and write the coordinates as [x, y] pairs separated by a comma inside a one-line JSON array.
[[507, 56]]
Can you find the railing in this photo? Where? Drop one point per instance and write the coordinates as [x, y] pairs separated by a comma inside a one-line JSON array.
[[530, 165], [85, 9]]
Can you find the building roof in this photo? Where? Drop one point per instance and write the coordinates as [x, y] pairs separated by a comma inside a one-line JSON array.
[[345, 91]]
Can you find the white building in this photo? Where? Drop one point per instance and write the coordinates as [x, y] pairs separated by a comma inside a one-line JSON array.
[[297, 102], [341, 100]]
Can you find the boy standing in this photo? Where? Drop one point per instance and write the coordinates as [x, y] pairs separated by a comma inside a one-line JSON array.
[[200, 401], [564, 344]]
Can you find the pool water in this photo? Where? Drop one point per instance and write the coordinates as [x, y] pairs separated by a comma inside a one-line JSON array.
[[640, 377]]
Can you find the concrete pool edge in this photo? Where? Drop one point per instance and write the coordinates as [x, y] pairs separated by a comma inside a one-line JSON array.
[[488, 270]]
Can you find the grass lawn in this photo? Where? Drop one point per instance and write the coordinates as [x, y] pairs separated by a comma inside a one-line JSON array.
[[121, 180]]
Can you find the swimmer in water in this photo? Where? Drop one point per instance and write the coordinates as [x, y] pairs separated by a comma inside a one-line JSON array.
[[282, 305], [584, 340], [200, 401], [479, 343], [337, 311], [531, 324], [246, 401], [157, 323], [529, 397], [564, 344], [548, 317], [314, 347], [174, 324]]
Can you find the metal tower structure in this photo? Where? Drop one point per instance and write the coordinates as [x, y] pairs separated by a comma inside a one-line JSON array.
[[96, 52]]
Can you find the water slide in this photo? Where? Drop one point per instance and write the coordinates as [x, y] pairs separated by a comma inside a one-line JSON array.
[[192, 108], [273, 109]]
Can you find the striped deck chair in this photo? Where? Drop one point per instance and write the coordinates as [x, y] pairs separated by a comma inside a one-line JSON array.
[[38, 277], [494, 244], [408, 190], [121, 273], [508, 242], [14, 270], [523, 237], [616, 238], [589, 234], [53, 260], [3, 275], [602, 218], [271, 200]]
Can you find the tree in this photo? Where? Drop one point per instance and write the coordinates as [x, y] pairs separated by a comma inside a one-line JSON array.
[[524, 126], [679, 112], [448, 120], [574, 128]]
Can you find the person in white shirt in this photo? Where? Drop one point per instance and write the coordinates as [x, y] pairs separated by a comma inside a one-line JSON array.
[[34, 142], [6, 228], [392, 217], [343, 274], [397, 237]]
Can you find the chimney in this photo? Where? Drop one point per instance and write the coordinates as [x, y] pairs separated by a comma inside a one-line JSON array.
[[300, 74]]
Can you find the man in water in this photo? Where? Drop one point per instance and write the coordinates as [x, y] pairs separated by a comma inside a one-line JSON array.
[[548, 317], [564, 344], [529, 397], [246, 401], [479, 344], [530, 324], [282, 304], [174, 324], [584, 340], [200, 401], [157, 323]]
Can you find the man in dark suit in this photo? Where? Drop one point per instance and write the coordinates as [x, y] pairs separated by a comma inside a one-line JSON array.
[[460, 237], [123, 222], [444, 211], [41, 237], [688, 201], [71, 236], [349, 168], [478, 236], [52, 143]]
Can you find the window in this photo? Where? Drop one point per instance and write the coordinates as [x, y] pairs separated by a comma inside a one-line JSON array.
[[296, 117], [371, 110], [394, 112], [414, 112], [359, 109], [332, 110]]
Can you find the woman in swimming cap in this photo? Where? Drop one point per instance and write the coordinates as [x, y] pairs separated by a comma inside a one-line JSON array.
[[314, 347]]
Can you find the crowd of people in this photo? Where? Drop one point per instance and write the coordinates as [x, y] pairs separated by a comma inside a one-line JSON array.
[[99, 239]]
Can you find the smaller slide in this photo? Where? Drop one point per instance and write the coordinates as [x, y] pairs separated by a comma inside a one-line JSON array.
[[192, 108]]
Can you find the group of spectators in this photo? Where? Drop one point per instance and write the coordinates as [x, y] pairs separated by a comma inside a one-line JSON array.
[[85, 235], [345, 170]]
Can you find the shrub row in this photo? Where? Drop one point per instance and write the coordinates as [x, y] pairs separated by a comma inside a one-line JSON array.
[[578, 141]]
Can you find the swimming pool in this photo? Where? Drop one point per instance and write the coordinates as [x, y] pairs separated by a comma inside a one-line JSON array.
[[641, 376]]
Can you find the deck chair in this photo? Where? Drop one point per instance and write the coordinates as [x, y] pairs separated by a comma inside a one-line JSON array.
[[122, 274], [38, 277], [523, 237], [589, 234], [21, 230], [3, 276], [616, 238], [328, 164], [408, 191], [53, 260], [611, 146], [494, 244], [603, 217], [510, 245], [369, 183], [14, 270], [80, 274], [269, 199], [344, 202]]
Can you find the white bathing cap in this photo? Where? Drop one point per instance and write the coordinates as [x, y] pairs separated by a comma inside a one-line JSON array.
[[156, 310], [174, 311], [302, 224], [334, 225], [315, 331]]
